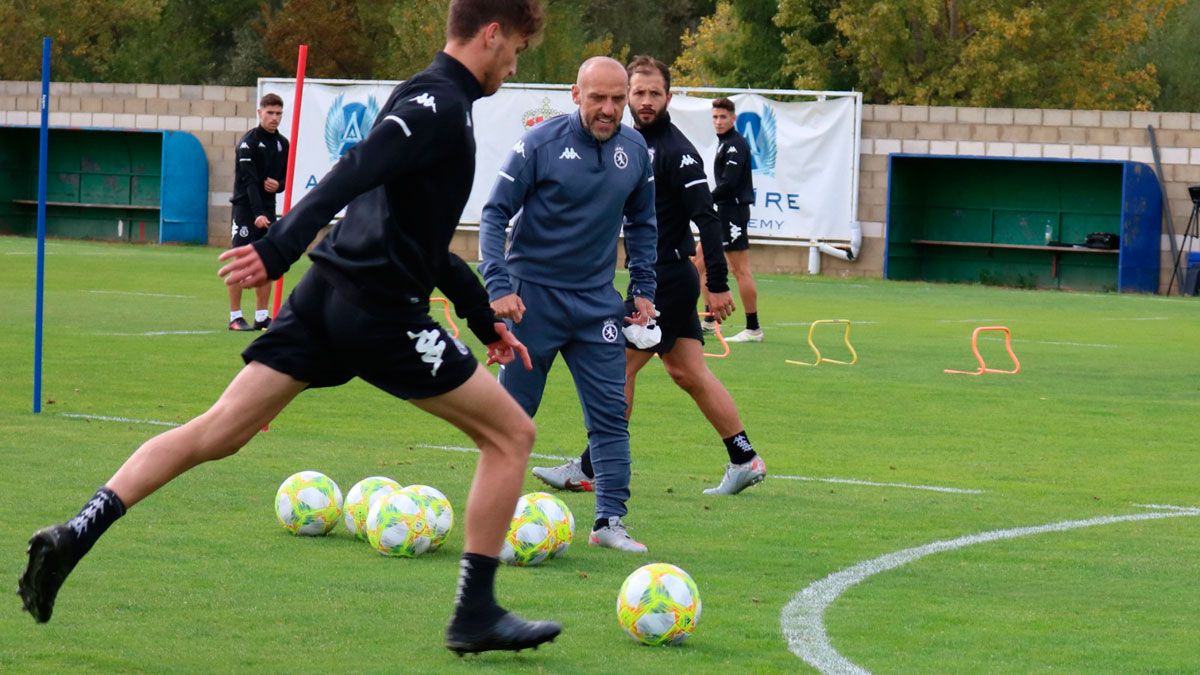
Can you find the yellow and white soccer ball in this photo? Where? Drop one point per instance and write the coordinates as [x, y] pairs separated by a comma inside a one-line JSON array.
[[530, 538], [562, 521], [438, 511], [359, 500], [308, 503], [398, 525], [659, 604]]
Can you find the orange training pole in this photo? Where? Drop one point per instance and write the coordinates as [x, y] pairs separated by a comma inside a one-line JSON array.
[[298, 99]]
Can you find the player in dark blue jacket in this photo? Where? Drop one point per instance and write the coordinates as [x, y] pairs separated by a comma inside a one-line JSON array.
[[363, 311], [573, 179], [681, 198]]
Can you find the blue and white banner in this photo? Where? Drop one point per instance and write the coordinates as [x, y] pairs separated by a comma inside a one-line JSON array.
[[804, 153]]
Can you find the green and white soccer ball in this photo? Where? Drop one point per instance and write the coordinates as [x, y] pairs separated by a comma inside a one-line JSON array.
[[530, 538], [308, 503], [438, 511], [398, 525], [659, 604], [562, 521], [359, 500]]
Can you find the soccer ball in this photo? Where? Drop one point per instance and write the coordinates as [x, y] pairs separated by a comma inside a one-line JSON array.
[[359, 500], [530, 537], [562, 521], [398, 525], [438, 510], [308, 503], [658, 605]]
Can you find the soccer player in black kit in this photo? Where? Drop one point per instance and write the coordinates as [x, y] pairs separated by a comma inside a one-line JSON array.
[[363, 311], [681, 196], [259, 175], [733, 194]]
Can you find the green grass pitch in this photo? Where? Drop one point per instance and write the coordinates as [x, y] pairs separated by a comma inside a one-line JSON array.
[[200, 578]]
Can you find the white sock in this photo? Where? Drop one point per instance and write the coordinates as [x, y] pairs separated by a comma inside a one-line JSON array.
[[235, 315], [260, 315]]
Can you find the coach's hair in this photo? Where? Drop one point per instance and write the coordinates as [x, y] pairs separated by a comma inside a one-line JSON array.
[[269, 100], [724, 104], [467, 17], [647, 65]]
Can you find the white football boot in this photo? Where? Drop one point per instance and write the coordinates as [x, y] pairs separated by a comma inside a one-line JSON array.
[[614, 535], [738, 477], [569, 476]]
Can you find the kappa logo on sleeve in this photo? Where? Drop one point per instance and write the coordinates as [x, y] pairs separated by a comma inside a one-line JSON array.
[[688, 160], [519, 148], [427, 101]]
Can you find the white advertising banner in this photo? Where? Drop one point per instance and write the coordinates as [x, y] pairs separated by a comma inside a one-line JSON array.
[[804, 153]]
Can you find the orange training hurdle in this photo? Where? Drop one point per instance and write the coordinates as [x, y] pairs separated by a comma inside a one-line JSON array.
[[446, 309], [720, 338], [817, 352], [983, 366]]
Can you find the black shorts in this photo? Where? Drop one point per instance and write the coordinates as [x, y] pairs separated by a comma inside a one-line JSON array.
[[735, 219], [243, 230], [675, 300], [323, 339]]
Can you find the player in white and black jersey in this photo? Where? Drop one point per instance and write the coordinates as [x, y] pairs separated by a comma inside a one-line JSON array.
[[259, 175], [363, 311], [681, 197]]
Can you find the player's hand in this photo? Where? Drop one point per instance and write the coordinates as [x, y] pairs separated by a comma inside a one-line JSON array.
[[507, 348], [643, 311], [245, 269], [509, 307], [271, 185], [721, 305], [262, 222]]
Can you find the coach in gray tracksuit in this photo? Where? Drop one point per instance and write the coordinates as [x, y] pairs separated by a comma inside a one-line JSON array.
[[576, 177]]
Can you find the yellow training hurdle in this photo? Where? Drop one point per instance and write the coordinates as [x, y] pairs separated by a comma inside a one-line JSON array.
[[983, 366], [817, 352]]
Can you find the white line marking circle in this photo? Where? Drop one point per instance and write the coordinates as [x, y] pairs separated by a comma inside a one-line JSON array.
[[803, 617]]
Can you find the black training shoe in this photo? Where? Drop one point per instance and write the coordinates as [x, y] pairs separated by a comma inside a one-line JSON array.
[[262, 325], [51, 559], [239, 324], [509, 633]]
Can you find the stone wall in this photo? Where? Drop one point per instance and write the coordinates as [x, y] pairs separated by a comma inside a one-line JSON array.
[[218, 116]]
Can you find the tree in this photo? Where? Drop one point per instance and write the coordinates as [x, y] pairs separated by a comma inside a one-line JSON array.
[[1003, 53], [85, 34], [344, 36], [737, 46], [1173, 50]]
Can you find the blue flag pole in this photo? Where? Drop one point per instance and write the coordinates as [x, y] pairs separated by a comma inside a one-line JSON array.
[[43, 152]]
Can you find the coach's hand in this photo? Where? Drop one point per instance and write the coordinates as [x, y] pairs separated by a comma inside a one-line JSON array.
[[246, 269], [643, 311], [262, 222], [507, 348], [271, 185], [721, 305], [509, 307]]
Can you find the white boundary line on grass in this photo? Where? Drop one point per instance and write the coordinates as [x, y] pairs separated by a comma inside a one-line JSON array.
[[538, 455], [127, 420], [867, 483], [144, 295], [803, 617], [158, 333]]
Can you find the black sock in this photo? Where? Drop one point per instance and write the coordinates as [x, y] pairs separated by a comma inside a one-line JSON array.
[[101, 511], [739, 448], [585, 463], [752, 320], [600, 522], [475, 604]]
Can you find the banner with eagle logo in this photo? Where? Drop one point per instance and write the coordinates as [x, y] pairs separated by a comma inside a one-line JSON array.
[[803, 153]]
